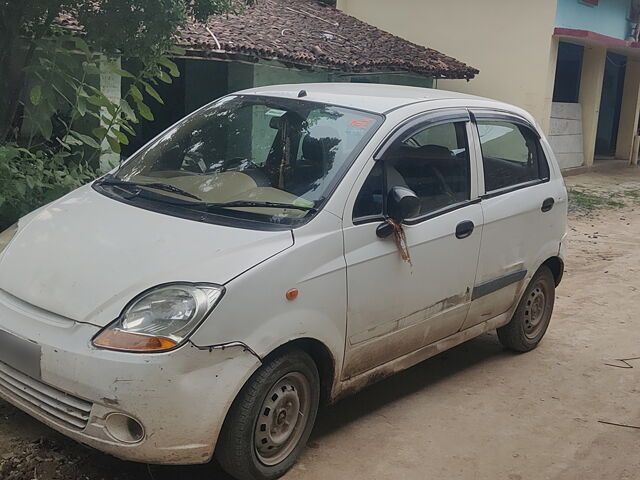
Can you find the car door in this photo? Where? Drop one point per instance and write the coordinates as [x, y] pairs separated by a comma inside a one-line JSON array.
[[520, 222], [397, 306]]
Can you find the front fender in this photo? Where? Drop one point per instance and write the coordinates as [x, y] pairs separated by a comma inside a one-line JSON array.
[[256, 312]]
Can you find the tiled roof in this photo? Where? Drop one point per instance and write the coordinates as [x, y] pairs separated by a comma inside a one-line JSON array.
[[310, 33]]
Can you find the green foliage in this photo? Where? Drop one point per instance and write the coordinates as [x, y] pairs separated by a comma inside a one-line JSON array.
[[633, 195], [132, 28], [588, 200], [54, 151], [29, 180], [160, 20], [62, 96]]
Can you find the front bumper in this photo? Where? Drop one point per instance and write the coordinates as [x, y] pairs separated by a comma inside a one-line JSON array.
[[180, 397]]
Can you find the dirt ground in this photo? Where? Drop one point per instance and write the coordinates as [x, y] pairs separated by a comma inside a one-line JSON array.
[[477, 411]]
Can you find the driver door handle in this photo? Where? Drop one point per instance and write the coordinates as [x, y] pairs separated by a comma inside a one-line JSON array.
[[464, 229], [547, 204]]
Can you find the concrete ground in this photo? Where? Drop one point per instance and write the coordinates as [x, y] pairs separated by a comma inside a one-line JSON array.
[[568, 410]]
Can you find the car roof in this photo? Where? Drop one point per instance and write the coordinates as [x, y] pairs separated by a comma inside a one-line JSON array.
[[378, 98]]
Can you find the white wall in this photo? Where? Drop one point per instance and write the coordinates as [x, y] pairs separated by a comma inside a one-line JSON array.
[[565, 134], [509, 41]]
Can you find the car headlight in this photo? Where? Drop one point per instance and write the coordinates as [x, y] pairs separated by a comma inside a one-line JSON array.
[[161, 318], [7, 236]]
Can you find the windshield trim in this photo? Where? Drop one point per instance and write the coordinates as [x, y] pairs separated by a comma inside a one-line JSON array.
[[230, 217]]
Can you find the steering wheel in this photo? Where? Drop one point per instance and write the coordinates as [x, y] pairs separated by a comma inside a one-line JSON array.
[[193, 165]]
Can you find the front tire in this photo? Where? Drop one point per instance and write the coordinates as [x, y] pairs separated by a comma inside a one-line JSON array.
[[531, 319], [270, 421]]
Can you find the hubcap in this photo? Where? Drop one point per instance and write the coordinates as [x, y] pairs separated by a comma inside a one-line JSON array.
[[534, 311], [283, 418]]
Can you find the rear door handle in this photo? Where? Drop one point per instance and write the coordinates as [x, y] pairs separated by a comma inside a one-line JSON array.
[[464, 229], [547, 204]]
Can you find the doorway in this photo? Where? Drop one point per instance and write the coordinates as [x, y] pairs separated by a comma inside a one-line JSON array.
[[610, 105], [568, 71]]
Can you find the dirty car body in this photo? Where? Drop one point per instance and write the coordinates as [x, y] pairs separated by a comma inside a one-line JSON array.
[[135, 311]]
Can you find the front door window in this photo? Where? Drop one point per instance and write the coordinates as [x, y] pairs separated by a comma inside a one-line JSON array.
[[433, 162]]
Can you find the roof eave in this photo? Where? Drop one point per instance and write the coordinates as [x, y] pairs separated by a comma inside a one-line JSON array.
[[207, 53]]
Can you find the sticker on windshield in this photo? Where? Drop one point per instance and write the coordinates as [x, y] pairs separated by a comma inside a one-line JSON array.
[[361, 122], [275, 113]]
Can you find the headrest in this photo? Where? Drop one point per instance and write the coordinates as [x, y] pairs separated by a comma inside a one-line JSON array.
[[426, 152], [402, 152], [435, 152], [312, 148], [318, 144], [275, 122], [293, 118]]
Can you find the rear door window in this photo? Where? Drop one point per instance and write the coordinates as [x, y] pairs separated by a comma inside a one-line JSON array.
[[511, 155]]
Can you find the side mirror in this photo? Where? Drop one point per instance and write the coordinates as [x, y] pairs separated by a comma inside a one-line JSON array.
[[402, 203]]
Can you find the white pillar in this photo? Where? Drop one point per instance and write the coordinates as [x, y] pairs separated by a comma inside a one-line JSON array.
[[111, 85], [627, 129], [593, 64]]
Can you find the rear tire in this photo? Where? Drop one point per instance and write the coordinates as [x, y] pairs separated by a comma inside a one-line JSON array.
[[531, 319], [270, 421]]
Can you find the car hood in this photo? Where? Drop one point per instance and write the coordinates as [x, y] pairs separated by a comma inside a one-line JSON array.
[[86, 256]]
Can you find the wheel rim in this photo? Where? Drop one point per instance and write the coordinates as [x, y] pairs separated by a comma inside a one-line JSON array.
[[282, 419], [535, 310]]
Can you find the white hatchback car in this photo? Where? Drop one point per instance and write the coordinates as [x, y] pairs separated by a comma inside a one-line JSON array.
[[280, 247]]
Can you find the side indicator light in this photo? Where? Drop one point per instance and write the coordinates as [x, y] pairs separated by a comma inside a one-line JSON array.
[[292, 294]]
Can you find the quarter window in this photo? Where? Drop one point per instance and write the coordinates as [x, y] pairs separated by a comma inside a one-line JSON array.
[[511, 155], [370, 199], [433, 162]]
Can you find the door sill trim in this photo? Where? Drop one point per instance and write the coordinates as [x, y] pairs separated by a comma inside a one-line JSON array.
[[356, 383]]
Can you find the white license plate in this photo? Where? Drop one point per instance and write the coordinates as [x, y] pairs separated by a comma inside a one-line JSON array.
[[23, 355]]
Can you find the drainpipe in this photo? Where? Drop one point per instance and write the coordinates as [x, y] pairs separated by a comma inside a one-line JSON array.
[[635, 32], [634, 19]]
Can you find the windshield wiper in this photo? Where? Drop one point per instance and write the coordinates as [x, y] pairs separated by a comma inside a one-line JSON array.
[[157, 186], [200, 203], [244, 203]]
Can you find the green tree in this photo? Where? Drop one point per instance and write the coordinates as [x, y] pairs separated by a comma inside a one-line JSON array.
[[139, 29]]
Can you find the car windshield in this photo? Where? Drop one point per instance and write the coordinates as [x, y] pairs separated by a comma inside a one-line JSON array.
[[270, 159]]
